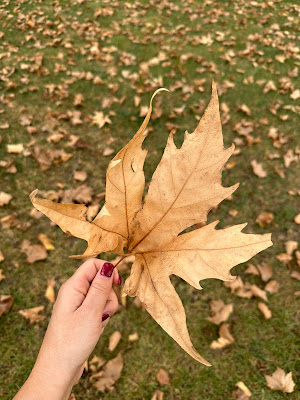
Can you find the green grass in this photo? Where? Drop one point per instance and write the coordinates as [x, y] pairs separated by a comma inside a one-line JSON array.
[[260, 345]]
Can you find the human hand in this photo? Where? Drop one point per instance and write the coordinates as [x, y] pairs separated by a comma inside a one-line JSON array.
[[82, 310]]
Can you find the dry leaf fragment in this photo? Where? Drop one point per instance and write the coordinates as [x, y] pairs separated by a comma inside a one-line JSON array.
[[242, 392], [5, 198], [184, 188], [272, 286], [110, 374], [291, 246], [114, 340], [284, 258], [108, 151], [225, 338], [163, 377], [2, 276], [158, 395], [6, 302], [265, 271], [46, 241], [100, 119], [252, 270], [15, 148], [133, 337], [50, 293], [220, 311], [34, 252], [33, 314], [295, 275], [259, 292], [265, 218], [297, 219], [265, 310], [2, 258], [281, 381], [80, 176], [258, 169]]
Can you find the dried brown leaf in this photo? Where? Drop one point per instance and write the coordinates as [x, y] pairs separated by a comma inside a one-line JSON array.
[[163, 377], [225, 338], [265, 310], [33, 314], [281, 381], [6, 301], [5, 198], [114, 340], [220, 311], [265, 271], [110, 374], [272, 286], [34, 252]]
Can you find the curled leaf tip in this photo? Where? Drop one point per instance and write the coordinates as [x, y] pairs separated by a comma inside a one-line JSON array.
[[157, 91], [33, 194]]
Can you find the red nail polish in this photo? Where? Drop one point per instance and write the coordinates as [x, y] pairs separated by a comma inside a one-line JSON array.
[[107, 269], [119, 280], [105, 316]]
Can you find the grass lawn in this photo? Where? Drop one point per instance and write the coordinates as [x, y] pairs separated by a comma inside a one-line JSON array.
[[110, 52]]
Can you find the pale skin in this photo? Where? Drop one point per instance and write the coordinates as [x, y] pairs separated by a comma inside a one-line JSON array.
[[73, 332]]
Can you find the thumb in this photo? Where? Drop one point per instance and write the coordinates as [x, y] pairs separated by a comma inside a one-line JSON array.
[[98, 293]]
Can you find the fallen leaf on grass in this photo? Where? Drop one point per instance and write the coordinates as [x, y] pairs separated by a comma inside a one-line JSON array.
[[265, 310], [258, 169], [252, 270], [50, 292], [295, 275], [110, 374], [284, 258], [114, 340], [220, 311], [272, 286], [291, 246], [158, 395], [15, 148], [258, 292], [163, 377], [297, 219], [133, 337], [188, 181], [264, 219], [100, 119], [80, 176], [2, 276], [281, 381], [240, 289], [225, 338], [108, 151], [2, 258], [33, 314], [35, 252], [242, 392], [6, 302], [5, 198], [46, 241], [265, 271]]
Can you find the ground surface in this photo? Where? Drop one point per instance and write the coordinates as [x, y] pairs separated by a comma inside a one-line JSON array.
[[134, 48]]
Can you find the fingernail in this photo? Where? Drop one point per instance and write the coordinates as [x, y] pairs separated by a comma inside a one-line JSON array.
[[105, 316], [107, 269], [119, 280]]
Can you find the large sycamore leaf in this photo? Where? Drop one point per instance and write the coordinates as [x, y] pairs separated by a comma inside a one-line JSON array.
[[184, 188]]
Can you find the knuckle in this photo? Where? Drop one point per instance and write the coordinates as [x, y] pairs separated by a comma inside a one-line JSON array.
[[99, 287]]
